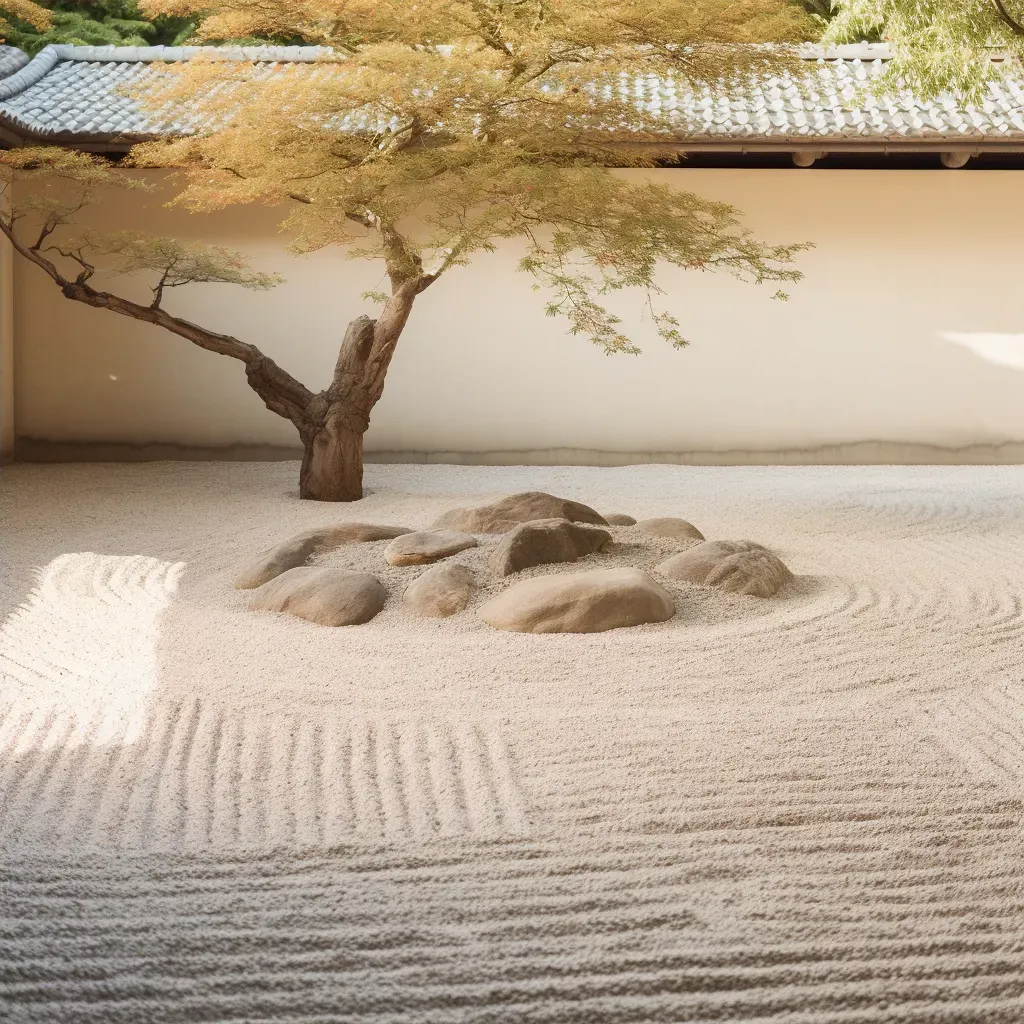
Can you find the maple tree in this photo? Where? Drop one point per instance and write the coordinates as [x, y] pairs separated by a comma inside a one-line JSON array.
[[436, 131]]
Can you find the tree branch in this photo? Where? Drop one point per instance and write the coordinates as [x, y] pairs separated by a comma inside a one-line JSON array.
[[281, 392], [87, 268], [158, 290], [1004, 15], [489, 28]]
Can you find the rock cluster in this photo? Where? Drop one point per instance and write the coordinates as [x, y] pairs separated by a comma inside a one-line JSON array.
[[509, 512], [428, 546], [298, 550], [580, 602], [537, 529], [328, 597], [546, 541], [735, 566]]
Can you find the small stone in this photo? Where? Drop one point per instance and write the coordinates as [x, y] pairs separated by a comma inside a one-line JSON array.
[[583, 602], [544, 541], [620, 519], [298, 550], [735, 566], [320, 594], [427, 546], [441, 591], [515, 509], [670, 528]]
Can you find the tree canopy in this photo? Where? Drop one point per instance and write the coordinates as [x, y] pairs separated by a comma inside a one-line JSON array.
[[31, 26], [32, 16], [434, 133], [485, 119], [938, 45]]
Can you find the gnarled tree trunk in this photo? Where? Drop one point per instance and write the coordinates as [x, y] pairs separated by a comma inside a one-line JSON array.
[[332, 459], [332, 423], [337, 419]]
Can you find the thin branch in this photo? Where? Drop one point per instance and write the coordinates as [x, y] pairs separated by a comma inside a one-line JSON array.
[[158, 290], [49, 226], [87, 268], [281, 392], [489, 28], [291, 195], [1004, 15]]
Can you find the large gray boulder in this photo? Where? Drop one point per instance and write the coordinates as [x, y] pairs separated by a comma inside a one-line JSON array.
[[515, 509], [441, 591], [298, 550], [619, 519], [320, 594], [735, 566], [670, 528], [545, 541], [583, 602], [424, 547]]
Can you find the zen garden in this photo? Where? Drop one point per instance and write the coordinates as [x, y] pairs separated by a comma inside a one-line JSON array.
[[511, 510]]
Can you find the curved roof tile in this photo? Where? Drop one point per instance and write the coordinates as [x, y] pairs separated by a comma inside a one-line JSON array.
[[74, 94]]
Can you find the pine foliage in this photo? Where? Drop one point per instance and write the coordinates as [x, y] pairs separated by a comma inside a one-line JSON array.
[[26, 13], [31, 26]]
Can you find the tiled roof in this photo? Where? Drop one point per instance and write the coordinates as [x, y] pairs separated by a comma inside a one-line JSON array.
[[12, 59], [73, 94]]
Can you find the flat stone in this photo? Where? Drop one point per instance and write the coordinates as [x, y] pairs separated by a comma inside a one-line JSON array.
[[298, 550], [670, 528], [544, 541], [515, 509], [735, 566], [424, 547], [320, 594], [619, 519], [441, 591], [582, 602]]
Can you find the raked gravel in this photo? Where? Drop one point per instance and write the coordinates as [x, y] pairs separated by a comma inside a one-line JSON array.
[[804, 810]]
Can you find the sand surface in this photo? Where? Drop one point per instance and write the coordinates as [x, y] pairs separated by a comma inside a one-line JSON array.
[[806, 810]]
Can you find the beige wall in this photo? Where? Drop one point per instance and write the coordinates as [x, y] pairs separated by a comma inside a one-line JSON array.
[[6, 348], [906, 330]]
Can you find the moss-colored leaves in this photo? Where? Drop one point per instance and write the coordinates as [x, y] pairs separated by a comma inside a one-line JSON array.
[[938, 45]]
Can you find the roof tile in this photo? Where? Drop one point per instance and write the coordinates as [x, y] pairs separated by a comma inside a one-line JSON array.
[[74, 91]]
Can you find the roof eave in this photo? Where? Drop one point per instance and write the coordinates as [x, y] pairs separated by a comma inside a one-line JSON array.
[[15, 136], [835, 144]]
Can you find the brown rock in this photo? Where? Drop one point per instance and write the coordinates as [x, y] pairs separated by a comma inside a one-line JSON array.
[[427, 546], [735, 566], [620, 519], [320, 594], [298, 550], [441, 591], [582, 602], [544, 541], [670, 528], [515, 509]]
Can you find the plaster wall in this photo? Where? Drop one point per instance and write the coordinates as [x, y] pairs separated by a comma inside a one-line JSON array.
[[906, 335]]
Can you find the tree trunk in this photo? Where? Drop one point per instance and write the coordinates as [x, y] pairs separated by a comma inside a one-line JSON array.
[[336, 419], [332, 461], [331, 424]]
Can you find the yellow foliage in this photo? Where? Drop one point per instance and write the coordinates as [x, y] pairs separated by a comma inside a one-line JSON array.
[[440, 127], [38, 17]]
